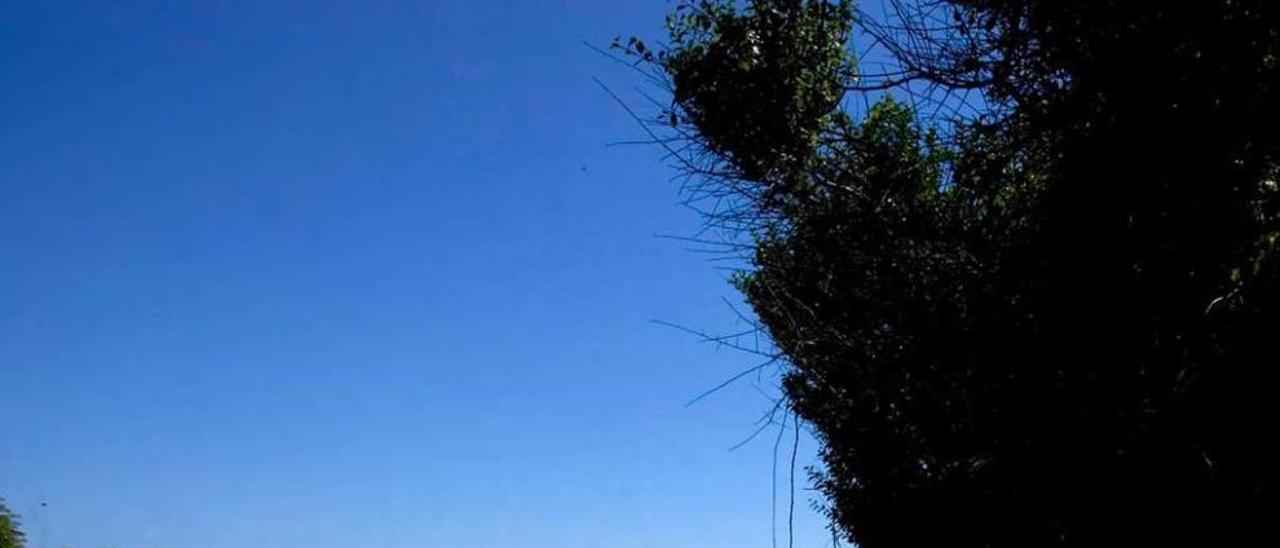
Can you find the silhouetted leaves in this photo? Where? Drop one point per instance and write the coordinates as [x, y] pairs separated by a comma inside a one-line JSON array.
[[1051, 327]]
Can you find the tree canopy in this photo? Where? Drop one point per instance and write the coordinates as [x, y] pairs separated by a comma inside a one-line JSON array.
[[10, 533], [1024, 279]]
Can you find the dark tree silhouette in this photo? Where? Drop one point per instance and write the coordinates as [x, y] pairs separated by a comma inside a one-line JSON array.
[[1025, 293]]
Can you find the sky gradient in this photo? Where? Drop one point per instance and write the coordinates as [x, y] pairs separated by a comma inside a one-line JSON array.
[[338, 274]]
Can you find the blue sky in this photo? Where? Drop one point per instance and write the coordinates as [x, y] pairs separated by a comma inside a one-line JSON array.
[[335, 274]]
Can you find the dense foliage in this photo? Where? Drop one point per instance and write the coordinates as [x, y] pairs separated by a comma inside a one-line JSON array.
[[10, 534], [1046, 323]]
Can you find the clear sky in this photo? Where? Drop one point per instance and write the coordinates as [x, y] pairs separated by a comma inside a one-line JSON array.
[[355, 273]]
